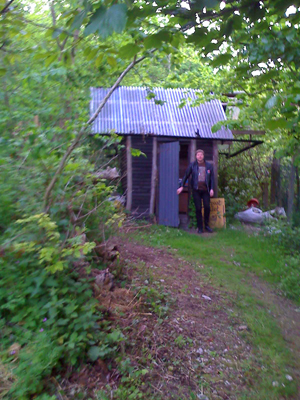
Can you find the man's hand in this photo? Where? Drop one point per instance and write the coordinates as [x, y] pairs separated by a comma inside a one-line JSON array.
[[211, 193], [179, 190]]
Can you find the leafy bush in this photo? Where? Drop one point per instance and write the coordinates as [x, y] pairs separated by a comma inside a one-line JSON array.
[[287, 239], [232, 205], [46, 306]]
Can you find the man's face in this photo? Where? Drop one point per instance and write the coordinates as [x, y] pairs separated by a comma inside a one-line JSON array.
[[199, 156]]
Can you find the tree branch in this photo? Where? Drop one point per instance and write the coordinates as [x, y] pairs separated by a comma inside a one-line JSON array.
[[52, 12], [5, 9], [82, 132], [209, 15], [47, 27]]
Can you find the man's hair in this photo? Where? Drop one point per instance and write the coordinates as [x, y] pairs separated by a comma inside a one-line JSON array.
[[199, 151]]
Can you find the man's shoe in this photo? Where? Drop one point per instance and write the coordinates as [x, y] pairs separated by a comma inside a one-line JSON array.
[[199, 230], [208, 229]]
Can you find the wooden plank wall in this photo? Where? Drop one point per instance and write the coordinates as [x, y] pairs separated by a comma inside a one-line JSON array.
[[141, 177], [142, 167]]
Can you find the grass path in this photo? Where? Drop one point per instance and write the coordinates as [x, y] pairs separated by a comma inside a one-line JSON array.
[[246, 270]]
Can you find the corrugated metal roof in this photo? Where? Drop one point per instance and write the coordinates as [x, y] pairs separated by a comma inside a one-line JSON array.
[[128, 111]]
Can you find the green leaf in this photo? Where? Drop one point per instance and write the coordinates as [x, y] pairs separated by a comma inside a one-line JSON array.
[[157, 39], [277, 123], [177, 39], [222, 59], [206, 3], [62, 322], [265, 77], [129, 51], [112, 61], [49, 32], [50, 60], [159, 102], [151, 42], [95, 352], [211, 47], [95, 21], [115, 336], [99, 60], [56, 33], [2, 71], [137, 153], [72, 166], [91, 54], [297, 84], [228, 27], [78, 20], [108, 20], [216, 127]]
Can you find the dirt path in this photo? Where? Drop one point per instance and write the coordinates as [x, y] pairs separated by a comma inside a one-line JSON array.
[[200, 347], [185, 332]]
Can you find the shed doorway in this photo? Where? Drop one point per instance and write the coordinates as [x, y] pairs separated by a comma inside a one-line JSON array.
[[184, 196]]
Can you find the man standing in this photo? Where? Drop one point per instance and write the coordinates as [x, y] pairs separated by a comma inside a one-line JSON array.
[[202, 183]]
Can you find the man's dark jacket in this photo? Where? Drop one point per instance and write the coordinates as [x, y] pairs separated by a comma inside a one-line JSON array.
[[193, 170]]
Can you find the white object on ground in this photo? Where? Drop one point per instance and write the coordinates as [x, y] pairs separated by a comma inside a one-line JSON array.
[[255, 215]]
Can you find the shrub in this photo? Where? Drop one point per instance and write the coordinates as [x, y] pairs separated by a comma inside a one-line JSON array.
[[287, 239], [46, 306]]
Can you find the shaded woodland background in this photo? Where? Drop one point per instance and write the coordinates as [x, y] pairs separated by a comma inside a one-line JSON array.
[[54, 212]]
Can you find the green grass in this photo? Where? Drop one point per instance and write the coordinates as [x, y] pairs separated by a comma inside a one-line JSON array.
[[229, 259]]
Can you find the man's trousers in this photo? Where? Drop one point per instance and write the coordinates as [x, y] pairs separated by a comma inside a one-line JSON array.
[[198, 196]]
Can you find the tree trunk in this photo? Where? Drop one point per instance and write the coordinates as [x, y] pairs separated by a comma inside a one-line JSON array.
[[129, 174], [291, 192], [275, 181]]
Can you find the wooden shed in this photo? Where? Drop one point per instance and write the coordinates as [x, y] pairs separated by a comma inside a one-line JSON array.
[[168, 129]]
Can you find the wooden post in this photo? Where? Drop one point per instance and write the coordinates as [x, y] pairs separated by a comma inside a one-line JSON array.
[[216, 163], [192, 150], [129, 174], [36, 120], [153, 175], [192, 158]]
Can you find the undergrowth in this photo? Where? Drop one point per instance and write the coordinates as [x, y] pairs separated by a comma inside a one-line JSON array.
[[49, 318]]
